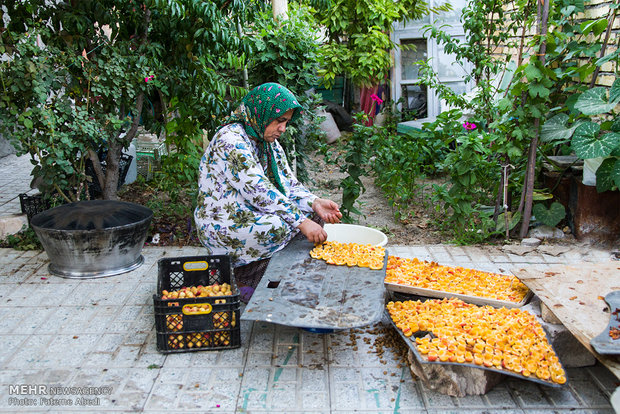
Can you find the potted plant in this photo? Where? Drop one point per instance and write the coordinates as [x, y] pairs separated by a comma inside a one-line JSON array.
[[592, 128]]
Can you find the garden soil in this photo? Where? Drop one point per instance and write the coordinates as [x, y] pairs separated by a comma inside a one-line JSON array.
[[171, 228], [416, 229]]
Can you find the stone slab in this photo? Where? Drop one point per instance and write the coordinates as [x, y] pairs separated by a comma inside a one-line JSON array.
[[12, 224]]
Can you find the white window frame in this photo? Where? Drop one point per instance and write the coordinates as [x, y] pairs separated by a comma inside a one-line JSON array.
[[415, 30]]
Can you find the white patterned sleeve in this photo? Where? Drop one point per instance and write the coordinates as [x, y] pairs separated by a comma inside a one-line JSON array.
[[244, 174]]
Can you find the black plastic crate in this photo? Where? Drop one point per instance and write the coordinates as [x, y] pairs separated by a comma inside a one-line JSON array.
[[94, 189], [32, 205], [186, 324]]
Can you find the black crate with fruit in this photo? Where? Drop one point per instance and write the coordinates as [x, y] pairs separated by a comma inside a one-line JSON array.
[[196, 305]]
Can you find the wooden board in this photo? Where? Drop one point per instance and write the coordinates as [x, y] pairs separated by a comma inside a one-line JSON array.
[[575, 294]]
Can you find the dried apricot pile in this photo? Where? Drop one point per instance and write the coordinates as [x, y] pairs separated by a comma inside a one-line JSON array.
[[504, 339], [350, 254], [431, 275]]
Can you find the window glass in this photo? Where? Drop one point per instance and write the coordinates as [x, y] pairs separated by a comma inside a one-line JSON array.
[[458, 87], [410, 56], [414, 101], [446, 65], [453, 16]]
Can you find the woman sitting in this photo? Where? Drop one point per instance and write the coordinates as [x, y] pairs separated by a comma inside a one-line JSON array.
[[250, 205]]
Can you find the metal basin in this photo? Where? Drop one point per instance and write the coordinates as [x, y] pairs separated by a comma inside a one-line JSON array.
[[91, 239]]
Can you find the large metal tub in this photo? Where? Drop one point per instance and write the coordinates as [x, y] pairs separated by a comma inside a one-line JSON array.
[[90, 239]]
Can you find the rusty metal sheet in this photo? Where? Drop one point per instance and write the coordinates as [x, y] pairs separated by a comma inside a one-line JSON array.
[[299, 291], [604, 344]]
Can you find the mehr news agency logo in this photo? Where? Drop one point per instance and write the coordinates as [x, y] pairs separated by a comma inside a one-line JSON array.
[[41, 395]]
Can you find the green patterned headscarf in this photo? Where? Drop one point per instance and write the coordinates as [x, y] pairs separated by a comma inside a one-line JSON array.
[[257, 110]]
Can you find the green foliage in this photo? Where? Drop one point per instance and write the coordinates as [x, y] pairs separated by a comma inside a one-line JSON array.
[[179, 169], [583, 117], [550, 216], [47, 129], [593, 130], [285, 51], [359, 44], [168, 65], [400, 161], [355, 165], [24, 240], [508, 109], [503, 127], [608, 175], [473, 174]]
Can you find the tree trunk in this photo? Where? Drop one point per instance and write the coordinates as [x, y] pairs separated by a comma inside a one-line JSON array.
[[115, 151], [116, 144], [530, 174], [112, 160], [528, 182]]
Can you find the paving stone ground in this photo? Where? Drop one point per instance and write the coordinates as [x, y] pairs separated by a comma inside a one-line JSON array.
[[100, 333], [14, 179], [89, 346]]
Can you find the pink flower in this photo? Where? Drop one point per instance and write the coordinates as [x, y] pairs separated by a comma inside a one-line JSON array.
[[375, 98], [149, 78], [469, 126]]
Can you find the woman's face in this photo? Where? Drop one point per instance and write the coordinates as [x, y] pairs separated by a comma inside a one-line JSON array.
[[277, 126]]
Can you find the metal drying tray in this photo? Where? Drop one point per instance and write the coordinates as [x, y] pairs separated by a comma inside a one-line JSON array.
[[476, 300], [603, 343], [410, 342], [299, 291]]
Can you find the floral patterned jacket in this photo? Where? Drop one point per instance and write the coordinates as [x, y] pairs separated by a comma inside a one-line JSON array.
[[240, 212]]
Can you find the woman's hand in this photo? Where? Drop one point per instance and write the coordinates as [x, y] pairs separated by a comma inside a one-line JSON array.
[[313, 231], [327, 210]]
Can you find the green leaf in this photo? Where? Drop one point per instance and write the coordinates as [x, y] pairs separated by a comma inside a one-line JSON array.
[[551, 216], [608, 175], [614, 92], [538, 89], [555, 129], [541, 196], [513, 220], [594, 102], [596, 26], [588, 143], [533, 73]]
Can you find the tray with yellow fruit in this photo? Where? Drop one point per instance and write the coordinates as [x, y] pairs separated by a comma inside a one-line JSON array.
[[430, 279], [450, 331], [350, 254]]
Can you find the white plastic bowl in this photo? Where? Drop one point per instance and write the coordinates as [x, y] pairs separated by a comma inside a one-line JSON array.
[[352, 233]]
